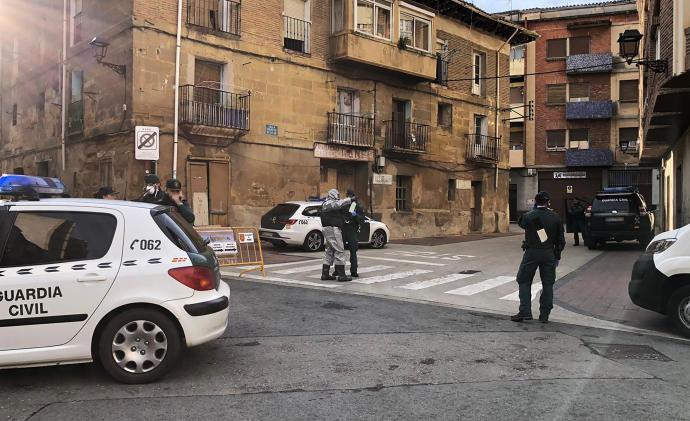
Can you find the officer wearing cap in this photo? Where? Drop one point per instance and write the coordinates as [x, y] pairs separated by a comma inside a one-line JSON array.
[[152, 190], [107, 193], [544, 241], [173, 197]]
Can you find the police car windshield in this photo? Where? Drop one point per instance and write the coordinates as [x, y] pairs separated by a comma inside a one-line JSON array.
[[612, 203], [178, 230]]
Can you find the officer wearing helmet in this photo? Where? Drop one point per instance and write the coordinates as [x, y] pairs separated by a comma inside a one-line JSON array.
[[544, 242], [332, 220]]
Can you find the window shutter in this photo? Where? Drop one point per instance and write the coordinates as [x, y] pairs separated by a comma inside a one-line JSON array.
[[579, 90], [556, 48], [628, 90], [555, 94], [579, 45], [555, 139]]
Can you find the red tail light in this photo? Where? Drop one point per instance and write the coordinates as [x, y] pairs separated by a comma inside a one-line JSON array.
[[289, 222], [195, 277]]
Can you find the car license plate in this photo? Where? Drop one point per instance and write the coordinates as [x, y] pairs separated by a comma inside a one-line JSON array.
[[268, 234], [615, 219]]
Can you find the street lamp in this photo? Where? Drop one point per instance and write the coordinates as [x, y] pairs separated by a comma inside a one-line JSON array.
[[629, 43], [100, 49]]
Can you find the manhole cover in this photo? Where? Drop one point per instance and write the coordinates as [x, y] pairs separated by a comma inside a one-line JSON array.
[[469, 272], [629, 352]]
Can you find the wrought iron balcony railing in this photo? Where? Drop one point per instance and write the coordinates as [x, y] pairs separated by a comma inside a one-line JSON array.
[[213, 107], [348, 129], [217, 15], [483, 148], [405, 136], [297, 35], [75, 117]]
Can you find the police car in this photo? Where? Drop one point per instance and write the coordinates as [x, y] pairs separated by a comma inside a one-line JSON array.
[[299, 224], [127, 284]]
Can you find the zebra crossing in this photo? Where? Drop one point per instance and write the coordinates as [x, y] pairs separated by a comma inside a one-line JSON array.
[[404, 279]]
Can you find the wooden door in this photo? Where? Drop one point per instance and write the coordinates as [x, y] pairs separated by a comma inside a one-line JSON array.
[[476, 206], [198, 192], [219, 189]]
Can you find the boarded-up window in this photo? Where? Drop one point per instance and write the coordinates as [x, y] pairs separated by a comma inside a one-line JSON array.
[[517, 95], [579, 92], [555, 94], [556, 48], [579, 45], [555, 139], [628, 90]]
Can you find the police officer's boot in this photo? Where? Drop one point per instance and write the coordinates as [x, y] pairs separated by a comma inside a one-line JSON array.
[[340, 274], [325, 273]]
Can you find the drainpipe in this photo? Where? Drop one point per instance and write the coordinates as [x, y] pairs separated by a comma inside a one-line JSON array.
[[63, 108], [178, 45], [498, 98]]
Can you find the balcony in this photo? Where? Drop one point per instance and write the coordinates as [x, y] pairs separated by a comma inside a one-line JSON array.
[[75, 117], [483, 148], [359, 48], [589, 110], [216, 15], [212, 112], [588, 158], [296, 35], [350, 130], [406, 137], [589, 63]]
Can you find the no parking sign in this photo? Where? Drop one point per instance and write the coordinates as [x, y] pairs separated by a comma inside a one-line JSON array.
[[146, 143]]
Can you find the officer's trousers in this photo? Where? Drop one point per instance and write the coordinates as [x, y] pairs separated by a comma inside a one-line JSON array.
[[545, 260], [335, 251], [351, 244]]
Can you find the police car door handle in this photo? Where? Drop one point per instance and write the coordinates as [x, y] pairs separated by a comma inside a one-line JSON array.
[[92, 277]]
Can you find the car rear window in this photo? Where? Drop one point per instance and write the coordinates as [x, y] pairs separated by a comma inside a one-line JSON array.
[[284, 210], [179, 231], [613, 203]]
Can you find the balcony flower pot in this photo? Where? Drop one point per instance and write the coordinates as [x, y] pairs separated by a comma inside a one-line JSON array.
[[403, 42]]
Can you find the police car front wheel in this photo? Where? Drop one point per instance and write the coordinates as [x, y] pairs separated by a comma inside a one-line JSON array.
[[139, 346]]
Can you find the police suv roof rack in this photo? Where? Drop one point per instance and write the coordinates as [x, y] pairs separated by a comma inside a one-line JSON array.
[[28, 187], [628, 189]]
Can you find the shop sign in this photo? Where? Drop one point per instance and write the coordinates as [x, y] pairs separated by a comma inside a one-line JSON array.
[[343, 153], [569, 174], [386, 179]]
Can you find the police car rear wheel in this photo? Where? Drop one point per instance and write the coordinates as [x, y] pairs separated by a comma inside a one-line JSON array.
[[378, 239], [679, 310], [313, 241], [139, 346]]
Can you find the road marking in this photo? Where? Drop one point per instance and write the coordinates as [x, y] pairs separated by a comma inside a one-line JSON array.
[[482, 286], [391, 276], [437, 281], [386, 259], [275, 265], [361, 270], [299, 269], [536, 287], [281, 280]]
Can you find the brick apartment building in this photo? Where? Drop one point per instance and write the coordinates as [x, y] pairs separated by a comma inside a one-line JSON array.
[[279, 100], [585, 127], [665, 115]]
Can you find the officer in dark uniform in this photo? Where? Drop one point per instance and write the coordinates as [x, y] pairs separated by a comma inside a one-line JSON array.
[[544, 242], [173, 197], [351, 232]]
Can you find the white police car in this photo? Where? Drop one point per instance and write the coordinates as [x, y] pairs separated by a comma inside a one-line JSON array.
[[299, 224], [124, 283]]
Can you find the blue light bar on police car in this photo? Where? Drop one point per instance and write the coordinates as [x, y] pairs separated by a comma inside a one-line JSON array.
[[14, 185]]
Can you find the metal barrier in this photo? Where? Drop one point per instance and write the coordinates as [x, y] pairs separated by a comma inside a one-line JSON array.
[[235, 246]]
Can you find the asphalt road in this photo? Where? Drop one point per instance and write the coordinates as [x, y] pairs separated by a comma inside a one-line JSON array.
[[297, 353]]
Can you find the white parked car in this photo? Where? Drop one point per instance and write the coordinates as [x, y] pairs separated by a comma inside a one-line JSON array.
[[660, 279], [127, 284], [299, 224]]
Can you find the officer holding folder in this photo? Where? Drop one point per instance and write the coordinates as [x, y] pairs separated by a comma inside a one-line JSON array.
[[544, 242]]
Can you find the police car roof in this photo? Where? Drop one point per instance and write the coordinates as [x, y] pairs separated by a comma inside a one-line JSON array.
[[96, 203]]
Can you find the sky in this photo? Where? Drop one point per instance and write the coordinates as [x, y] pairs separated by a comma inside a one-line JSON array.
[[493, 6]]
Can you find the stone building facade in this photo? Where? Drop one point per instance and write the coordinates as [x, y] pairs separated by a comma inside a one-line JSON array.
[[279, 100]]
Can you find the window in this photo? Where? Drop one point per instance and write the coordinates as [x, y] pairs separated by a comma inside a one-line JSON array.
[[348, 101], [338, 22], [517, 95], [657, 46], [14, 114], [517, 53], [612, 203], [312, 211], [578, 138], [627, 137], [628, 90], [403, 190], [296, 25], [555, 94], [42, 168], [451, 190], [517, 135], [180, 232], [556, 48], [77, 33], [481, 125], [374, 17], [555, 139], [105, 171], [219, 15], [579, 92], [578, 45], [415, 31], [478, 61], [445, 115], [41, 238], [75, 111]]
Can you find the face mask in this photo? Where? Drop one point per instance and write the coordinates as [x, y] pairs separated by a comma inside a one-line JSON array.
[[151, 189]]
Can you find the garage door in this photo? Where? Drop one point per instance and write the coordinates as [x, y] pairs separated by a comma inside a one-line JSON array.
[[562, 185]]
